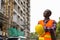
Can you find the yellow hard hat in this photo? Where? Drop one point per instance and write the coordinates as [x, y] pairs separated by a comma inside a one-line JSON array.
[[39, 29]]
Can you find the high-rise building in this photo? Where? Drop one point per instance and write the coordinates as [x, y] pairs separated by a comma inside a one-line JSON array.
[[18, 11], [3, 17], [1, 14], [22, 12]]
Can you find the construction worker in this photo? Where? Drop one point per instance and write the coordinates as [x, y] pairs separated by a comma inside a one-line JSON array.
[[48, 25]]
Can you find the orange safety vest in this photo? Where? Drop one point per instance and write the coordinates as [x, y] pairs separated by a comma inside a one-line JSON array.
[[48, 24]]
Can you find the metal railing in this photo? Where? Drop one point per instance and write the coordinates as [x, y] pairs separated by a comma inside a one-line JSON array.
[[17, 38]]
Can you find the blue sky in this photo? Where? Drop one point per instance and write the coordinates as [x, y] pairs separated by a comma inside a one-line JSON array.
[[37, 9]]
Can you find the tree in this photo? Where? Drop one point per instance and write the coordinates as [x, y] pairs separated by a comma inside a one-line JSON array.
[[33, 36], [58, 28]]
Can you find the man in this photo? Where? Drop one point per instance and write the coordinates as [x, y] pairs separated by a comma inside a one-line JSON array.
[[49, 25]]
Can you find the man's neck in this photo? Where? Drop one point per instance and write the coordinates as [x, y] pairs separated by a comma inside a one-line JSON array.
[[46, 18]]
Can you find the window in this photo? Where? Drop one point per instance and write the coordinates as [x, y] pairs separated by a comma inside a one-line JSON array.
[[21, 19], [14, 2], [24, 10], [21, 12], [18, 18], [21, 3], [18, 7], [21, 29], [27, 9], [24, 2]]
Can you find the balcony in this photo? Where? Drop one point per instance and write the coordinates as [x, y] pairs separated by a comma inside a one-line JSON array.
[[17, 13], [19, 4], [3, 18], [17, 20]]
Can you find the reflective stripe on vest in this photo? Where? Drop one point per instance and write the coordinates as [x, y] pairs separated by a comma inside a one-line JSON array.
[[48, 24], [41, 38]]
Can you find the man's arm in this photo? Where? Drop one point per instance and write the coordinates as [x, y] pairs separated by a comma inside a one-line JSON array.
[[53, 26], [53, 31]]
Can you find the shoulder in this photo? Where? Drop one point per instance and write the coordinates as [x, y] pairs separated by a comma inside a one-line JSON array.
[[40, 21], [54, 21]]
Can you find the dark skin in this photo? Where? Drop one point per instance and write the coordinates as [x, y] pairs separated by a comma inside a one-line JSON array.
[[47, 13]]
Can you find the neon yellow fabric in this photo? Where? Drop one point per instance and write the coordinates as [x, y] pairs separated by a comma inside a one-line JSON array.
[[41, 38], [47, 36]]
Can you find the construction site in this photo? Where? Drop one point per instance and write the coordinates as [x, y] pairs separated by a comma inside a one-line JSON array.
[[16, 14]]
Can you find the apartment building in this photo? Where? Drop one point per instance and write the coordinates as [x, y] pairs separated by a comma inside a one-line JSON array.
[[3, 18], [1, 14], [20, 14]]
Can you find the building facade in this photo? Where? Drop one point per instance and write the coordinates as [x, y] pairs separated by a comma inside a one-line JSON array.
[[1, 14], [3, 19], [22, 13], [17, 13]]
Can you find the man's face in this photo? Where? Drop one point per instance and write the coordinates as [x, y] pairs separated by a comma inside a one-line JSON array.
[[46, 14]]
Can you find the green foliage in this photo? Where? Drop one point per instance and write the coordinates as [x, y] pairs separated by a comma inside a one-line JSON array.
[[33, 35], [58, 28]]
